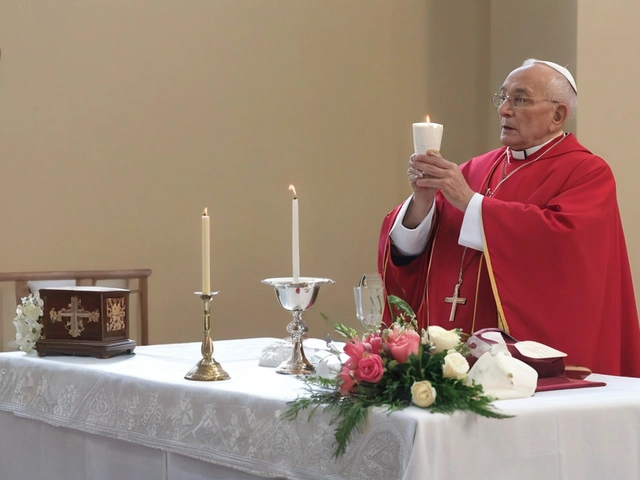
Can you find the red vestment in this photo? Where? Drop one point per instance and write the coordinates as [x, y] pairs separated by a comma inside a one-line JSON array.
[[555, 267]]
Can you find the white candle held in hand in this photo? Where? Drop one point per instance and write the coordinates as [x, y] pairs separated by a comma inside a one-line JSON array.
[[206, 249], [427, 136], [295, 239]]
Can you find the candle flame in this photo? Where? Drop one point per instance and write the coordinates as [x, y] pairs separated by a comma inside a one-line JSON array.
[[428, 119], [205, 213], [293, 189]]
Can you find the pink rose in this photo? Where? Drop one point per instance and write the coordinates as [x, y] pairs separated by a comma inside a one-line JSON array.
[[347, 381], [362, 365], [374, 341], [370, 369], [402, 343], [355, 349]]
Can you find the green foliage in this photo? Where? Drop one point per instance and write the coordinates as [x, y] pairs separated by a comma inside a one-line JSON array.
[[401, 310], [393, 391], [344, 331]]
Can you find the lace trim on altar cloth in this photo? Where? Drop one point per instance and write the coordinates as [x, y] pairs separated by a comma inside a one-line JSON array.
[[229, 428]]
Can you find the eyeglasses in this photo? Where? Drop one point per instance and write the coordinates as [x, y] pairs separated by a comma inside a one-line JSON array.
[[517, 101]]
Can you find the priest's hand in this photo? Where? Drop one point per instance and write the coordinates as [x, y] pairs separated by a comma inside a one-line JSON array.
[[423, 196], [430, 172]]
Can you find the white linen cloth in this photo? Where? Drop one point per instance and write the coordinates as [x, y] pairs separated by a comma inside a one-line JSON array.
[[143, 399]]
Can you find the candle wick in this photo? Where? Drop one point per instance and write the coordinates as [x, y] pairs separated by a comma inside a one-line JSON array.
[[205, 212]]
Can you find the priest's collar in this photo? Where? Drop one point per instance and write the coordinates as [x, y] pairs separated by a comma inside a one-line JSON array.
[[523, 154]]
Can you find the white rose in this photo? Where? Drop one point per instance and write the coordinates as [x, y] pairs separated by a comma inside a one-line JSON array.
[[23, 330], [442, 339], [26, 338], [33, 312], [422, 393], [455, 366], [27, 333]]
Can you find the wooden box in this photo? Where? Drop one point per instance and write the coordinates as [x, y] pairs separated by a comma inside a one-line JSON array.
[[87, 321]]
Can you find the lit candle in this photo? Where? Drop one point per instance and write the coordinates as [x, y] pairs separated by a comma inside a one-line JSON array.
[[427, 136], [206, 249], [295, 239]]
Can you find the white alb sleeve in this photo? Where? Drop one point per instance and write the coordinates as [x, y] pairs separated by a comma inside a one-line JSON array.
[[410, 242], [471, 230]]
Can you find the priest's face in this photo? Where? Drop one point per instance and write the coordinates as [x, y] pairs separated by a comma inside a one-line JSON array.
[[526, 117]]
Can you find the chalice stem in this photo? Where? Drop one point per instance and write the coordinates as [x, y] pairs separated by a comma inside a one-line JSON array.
[[297, 364]]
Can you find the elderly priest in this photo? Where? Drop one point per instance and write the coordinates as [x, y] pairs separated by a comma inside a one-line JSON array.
[[526, 238]]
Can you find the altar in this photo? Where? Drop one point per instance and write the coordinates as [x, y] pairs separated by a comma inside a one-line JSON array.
[[135, 416]]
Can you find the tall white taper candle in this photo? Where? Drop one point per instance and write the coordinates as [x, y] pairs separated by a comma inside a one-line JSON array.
[[206, 253], [295, 236]]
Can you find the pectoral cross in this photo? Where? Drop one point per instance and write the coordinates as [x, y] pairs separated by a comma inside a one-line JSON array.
[[455, 300], [75, 315]]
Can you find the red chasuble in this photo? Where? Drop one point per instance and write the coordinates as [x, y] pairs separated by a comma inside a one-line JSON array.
[[555, 266]]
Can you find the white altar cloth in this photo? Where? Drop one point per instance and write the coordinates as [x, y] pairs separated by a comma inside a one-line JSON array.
[[232, 429]]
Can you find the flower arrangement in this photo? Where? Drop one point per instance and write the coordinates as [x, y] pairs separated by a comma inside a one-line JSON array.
[[27, 322], [395, 367]]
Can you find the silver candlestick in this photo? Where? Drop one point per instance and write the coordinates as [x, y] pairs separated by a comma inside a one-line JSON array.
[[207, 369], [297, 297]]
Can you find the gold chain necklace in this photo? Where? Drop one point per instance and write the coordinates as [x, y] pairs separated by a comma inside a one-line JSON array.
[[505, 177], [456, 299]]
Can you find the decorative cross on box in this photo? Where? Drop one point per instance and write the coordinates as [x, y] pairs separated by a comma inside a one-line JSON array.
[[76, 315]]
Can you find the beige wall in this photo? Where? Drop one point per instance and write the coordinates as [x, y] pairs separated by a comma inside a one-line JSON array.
[[609, 111], [121, 120], [521, 29], [457, 65]]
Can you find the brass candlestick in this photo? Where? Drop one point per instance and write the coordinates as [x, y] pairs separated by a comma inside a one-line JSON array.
[[207, 369]]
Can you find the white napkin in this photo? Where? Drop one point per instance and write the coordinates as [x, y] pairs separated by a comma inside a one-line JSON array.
[[274, 354], [327, 363], [321, 356], [504, 377]]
